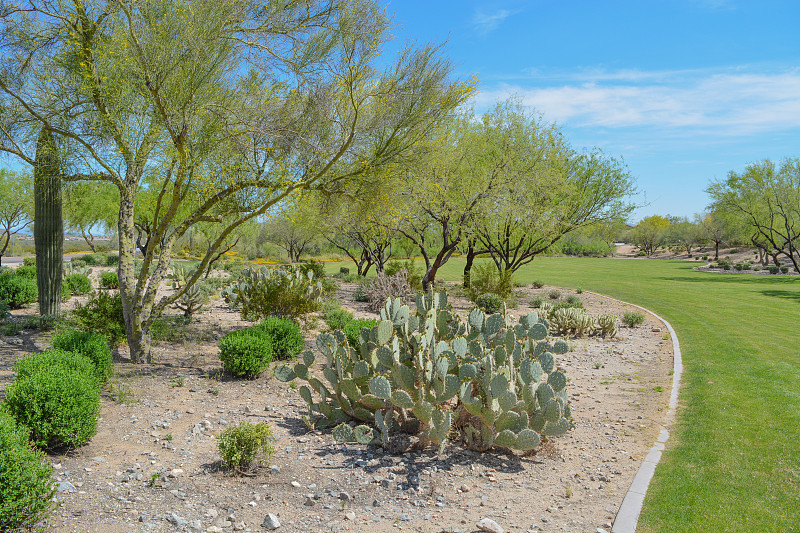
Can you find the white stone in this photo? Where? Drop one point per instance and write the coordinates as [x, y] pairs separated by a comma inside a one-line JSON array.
[[489, 525]]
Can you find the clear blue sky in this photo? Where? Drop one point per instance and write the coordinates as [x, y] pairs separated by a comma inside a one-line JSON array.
[[683, 90]]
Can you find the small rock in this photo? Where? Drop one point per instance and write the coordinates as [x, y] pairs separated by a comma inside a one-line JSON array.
[[65, 486], [271, 522], [345, 497], [213, 529], [464, 488], [274, 469], [295, 484], [350, 515], [177, 521], [239, 526], [489, 525], [175, 472], [309, 500], [98, 459], [196, 525]]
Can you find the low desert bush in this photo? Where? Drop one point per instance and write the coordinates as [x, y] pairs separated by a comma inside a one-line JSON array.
[[287, 341], [34, 363], [384, 286], [240, 445], [92, 345], [316, 267], [259, 293], [352, 329], [109, 280], [538, 284], [573, 301], [337, 318], [632, 318], [413, 273], [489, 303], [29, 262], [58, 404], [76, 284], [246, 352], [362, 289], [17, 291], [103, 314], [537, 302], [554, 294], [486, 278], [27, 272], [774, 269], [26, 488], [95, 259]]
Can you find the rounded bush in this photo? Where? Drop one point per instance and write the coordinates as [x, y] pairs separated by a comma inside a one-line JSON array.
[[285, 336], [109, 280], [245, 353], [26, 489], [34, 363], [241, 445], [353, 328], [91, 345], [17, 291], [490, 303], [102, 313], [58, 404], [337, 318], [27, 272], [76, 284], [112, 260]]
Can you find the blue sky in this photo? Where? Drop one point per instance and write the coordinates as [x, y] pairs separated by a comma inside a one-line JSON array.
[[683, 90]]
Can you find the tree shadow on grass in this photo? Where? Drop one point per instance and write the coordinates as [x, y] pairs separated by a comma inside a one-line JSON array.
[[735, 278], [789, 295]]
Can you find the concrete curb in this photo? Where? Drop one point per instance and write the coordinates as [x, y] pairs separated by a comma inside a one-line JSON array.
[[628, 515]]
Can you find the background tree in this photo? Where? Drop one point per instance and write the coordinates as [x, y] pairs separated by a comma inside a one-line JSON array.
[[650, 233], [294, 226], [228, 107], [767, 199], [16, 207], [610, 231], [684, 234], [91, 207]]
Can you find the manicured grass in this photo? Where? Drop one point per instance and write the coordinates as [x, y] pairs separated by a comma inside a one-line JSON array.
[[733, 459]]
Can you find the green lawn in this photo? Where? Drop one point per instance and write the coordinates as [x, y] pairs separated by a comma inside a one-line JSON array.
[[733, 460]]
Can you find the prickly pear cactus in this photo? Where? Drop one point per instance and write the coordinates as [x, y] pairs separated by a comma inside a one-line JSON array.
[[430, 373]]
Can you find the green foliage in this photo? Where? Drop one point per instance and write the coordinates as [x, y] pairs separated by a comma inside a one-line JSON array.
[[485, 278], [29, 261], [431, 374], [537, 302], [34, 363], [632, 318], [784, 270], [282, 292], [344, 271], [95, 259], [246, 352], [337, 318], [413, 272], [76, 284], [26, 272], [109, 280], [352, 329], [773, 269], [102, 314], [57, 403], [287, 341], [17, 291], [240, 445], [26, 488], [537, 284], [112, 260], [554, 294], [317, 267], [362, 289], [489, 303], [573, 301], [89, 344]]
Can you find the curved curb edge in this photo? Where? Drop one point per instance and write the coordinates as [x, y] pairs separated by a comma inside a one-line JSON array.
[[628, 515]]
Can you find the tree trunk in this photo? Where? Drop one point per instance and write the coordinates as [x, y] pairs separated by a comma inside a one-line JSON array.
[[716, 250], [468, 266], [48, 228]]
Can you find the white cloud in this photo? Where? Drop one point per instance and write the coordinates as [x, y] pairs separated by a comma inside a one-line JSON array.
[[732, 102], [487, 22]]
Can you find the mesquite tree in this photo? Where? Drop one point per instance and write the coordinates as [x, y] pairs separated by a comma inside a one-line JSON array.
[[48, 226], [211, 112]]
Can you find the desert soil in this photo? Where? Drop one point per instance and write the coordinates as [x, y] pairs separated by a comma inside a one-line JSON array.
[[154, 466]]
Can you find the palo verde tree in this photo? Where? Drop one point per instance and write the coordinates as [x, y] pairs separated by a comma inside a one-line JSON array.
[[16, 213], [227, 107], [548, 189], [294, 225], [89, 207], [766, 199]]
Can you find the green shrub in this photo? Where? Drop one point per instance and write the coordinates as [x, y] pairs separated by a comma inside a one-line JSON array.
[[757, 268], [26, 488], [76, 284], [109, 280], [344, 271], [112, 260], [574, 301], [486, 278], [317, 267], [78, 263], [103, 314], [27, 272], [263, 292], [240, 445], [413, 273], [579, 290], [784, 270], [58, 404], [538, 284], [34, 363], [726, 266], [489, 303], [352, 278], [29, 262], [96, 259], [92, 345], [632, 318], [537, 302], [245, 353], [17, 291], [554, 294], [337, 318], [284, 335], [353, 329], [361, 294], [774, 269]]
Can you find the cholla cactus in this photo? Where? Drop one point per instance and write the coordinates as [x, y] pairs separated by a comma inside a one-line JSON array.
[[571, 320], [192, 301], [427, 372], [607, 326]]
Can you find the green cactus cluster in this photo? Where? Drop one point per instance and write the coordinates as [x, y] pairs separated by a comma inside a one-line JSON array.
[[192, 300], [71, 268], [571, 321], [427, 372], [607, 326]]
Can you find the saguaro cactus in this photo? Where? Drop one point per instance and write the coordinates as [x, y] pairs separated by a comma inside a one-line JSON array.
[[48, 225]]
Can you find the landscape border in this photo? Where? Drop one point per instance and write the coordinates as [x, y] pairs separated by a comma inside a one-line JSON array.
[[628, 515]]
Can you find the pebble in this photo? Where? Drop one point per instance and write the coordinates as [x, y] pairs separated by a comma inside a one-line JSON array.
[[271, 522], [274, 469], [214, 529], [177, 521], [65, 486], [350, 515], [489, 526]]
